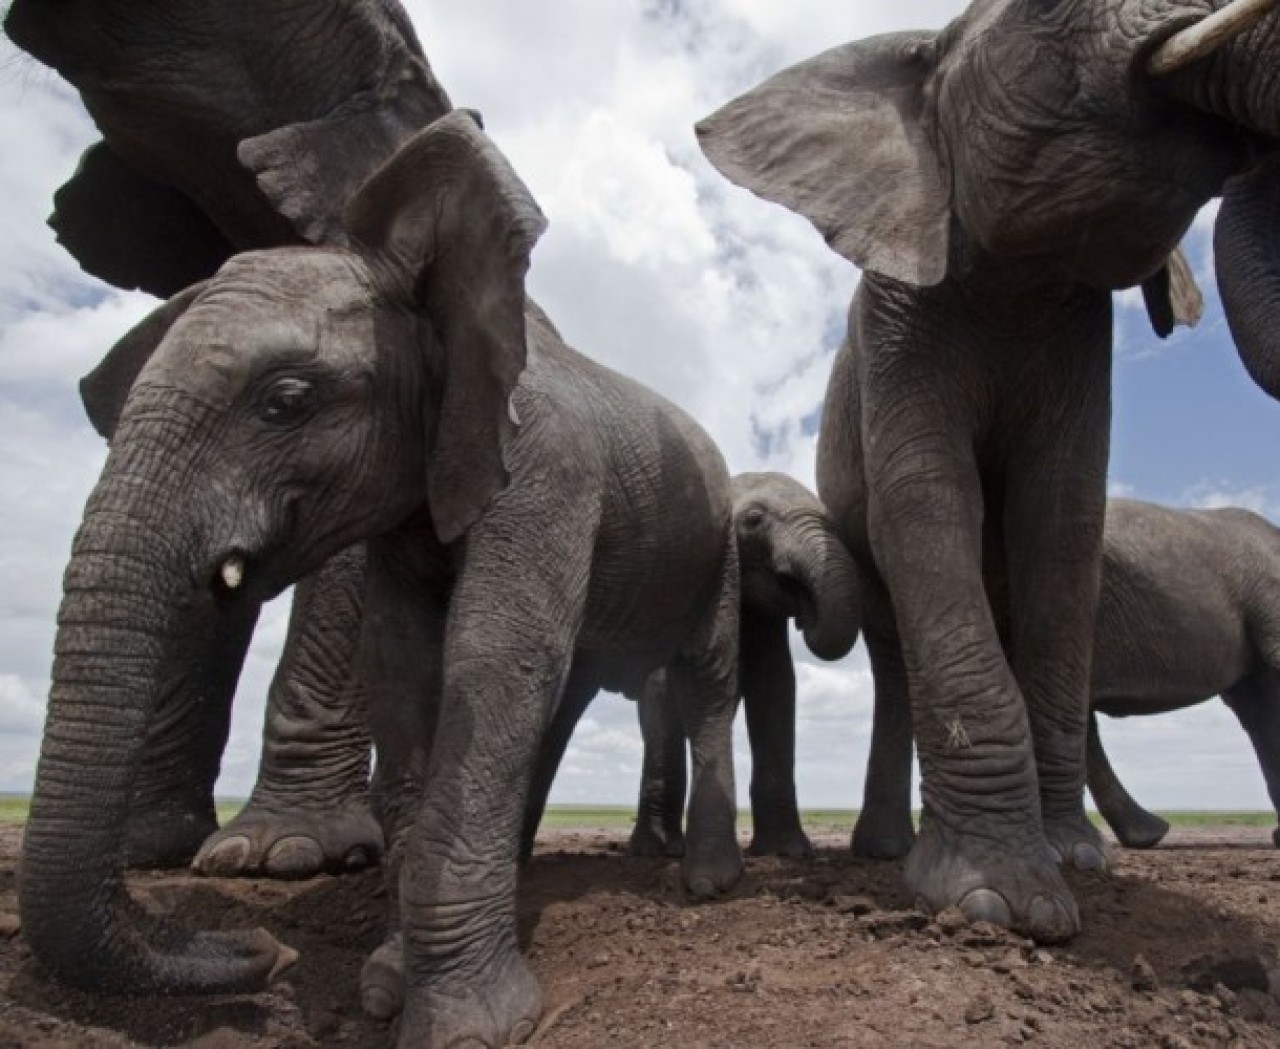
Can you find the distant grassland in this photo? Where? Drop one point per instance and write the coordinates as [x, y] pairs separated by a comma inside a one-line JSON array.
[[13, 809]]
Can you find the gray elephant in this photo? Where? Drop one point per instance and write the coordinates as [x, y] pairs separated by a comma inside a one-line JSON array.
[[223, 132], [997, 181], [793, 567], [529, 543]]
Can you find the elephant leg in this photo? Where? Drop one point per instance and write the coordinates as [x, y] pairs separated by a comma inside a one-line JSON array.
[[309, 810], [1133, 825], [768, 683], [508, 651], [1055, 505], [401, 660], [981, 845], [1256, 702], [884, 830], [172, 808], [578, 694], [664, 776], [704, 678]]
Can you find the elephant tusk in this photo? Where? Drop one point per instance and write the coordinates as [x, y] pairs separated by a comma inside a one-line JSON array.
[[233, 572], [1205, 37]]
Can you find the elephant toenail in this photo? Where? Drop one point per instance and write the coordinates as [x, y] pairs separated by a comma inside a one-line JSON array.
[[1050, 920], [1088, 857], [523, 1031], [357, 859], [379, 1003], [987, 905], [295, 857], [228, 857]]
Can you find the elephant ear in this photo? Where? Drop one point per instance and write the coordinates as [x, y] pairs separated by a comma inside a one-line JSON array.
[[1172, 296], [452, 222], [132, 231], [310, 170], [844, 139], [105, 389]]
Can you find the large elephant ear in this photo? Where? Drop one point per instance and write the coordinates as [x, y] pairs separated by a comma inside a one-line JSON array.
[[132, 231], [1172, 296], [455, 225], [105, 389], [310, 170], [844, 140]]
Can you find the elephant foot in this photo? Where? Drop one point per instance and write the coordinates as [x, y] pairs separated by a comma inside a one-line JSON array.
[[1275, 837], [648, 840], [292, 842], [708, 872], [167, 836], [1077, 842], [991, 880], [499, 1005], [879, 837], [1141, 830], [790, 842]]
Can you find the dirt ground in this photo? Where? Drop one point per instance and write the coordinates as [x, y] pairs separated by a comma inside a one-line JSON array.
[[1178, 950]]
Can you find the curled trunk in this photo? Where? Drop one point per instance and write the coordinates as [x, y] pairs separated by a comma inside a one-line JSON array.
[[823, 568], [124, 592]]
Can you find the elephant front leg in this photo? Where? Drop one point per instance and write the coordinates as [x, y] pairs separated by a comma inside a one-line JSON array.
[[768, 684], [884, 830], [981, 846], [309, 810], [1133, 825], [172, 811], [704, 679], [664, 774]]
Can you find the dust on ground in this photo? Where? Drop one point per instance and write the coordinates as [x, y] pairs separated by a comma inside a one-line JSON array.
[[1178, 950]]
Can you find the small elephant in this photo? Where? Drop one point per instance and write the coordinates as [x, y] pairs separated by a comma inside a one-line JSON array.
[[997, 181], [538, 527], [793, 567], [230, 126]]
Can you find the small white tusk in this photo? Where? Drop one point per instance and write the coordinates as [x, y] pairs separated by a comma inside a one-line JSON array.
[[1205, 37], [512, 414], [233, 572]]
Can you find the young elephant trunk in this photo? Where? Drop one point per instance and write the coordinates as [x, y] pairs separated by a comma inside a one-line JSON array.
[[124, 591], [822, 566]]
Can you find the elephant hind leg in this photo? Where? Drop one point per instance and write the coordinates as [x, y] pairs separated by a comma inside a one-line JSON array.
[[1256, 702], [664, 778], [1133, 825]]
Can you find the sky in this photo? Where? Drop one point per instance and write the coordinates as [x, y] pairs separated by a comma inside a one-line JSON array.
[[657, 267]]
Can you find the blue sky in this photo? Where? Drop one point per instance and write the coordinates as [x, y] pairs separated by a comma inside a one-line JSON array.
[[657, 267]]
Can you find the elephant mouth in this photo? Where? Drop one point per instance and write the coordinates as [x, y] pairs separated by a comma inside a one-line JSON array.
[[799, 599]]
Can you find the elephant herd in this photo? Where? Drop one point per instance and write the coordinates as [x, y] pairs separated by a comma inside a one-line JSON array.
[[348, 387]]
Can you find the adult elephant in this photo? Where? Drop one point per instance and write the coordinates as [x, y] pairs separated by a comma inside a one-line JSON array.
[[230, 126], [535, 533], [794, 567], [997, 181]]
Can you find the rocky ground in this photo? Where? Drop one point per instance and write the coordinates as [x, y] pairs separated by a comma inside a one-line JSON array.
[[1179, 951]]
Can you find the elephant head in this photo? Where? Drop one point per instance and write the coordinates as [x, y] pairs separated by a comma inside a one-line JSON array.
[[793, 564], [1075, 138], [226, 126], [300, 400]]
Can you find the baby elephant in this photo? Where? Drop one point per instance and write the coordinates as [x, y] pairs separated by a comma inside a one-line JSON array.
[[1189, 609], [793, 566], [539, 527]]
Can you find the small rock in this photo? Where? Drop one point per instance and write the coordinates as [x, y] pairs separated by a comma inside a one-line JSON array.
[[599, 960], [1141, 976], [855, 905], [1225, 995], [951, 921], [979, 1010]]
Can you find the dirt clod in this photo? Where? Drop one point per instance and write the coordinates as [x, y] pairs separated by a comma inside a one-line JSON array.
[[1141, 976]]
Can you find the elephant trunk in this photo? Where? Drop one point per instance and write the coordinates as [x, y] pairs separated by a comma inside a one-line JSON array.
[[126, 588], [1247, 253], [822, 568]]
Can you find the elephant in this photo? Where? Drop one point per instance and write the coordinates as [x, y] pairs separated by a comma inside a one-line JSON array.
[[536, 527], [792, 566], [248, 134], [996, 181]]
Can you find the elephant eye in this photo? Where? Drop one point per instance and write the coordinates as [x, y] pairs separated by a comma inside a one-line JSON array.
[[754, 517], [287, 400]]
